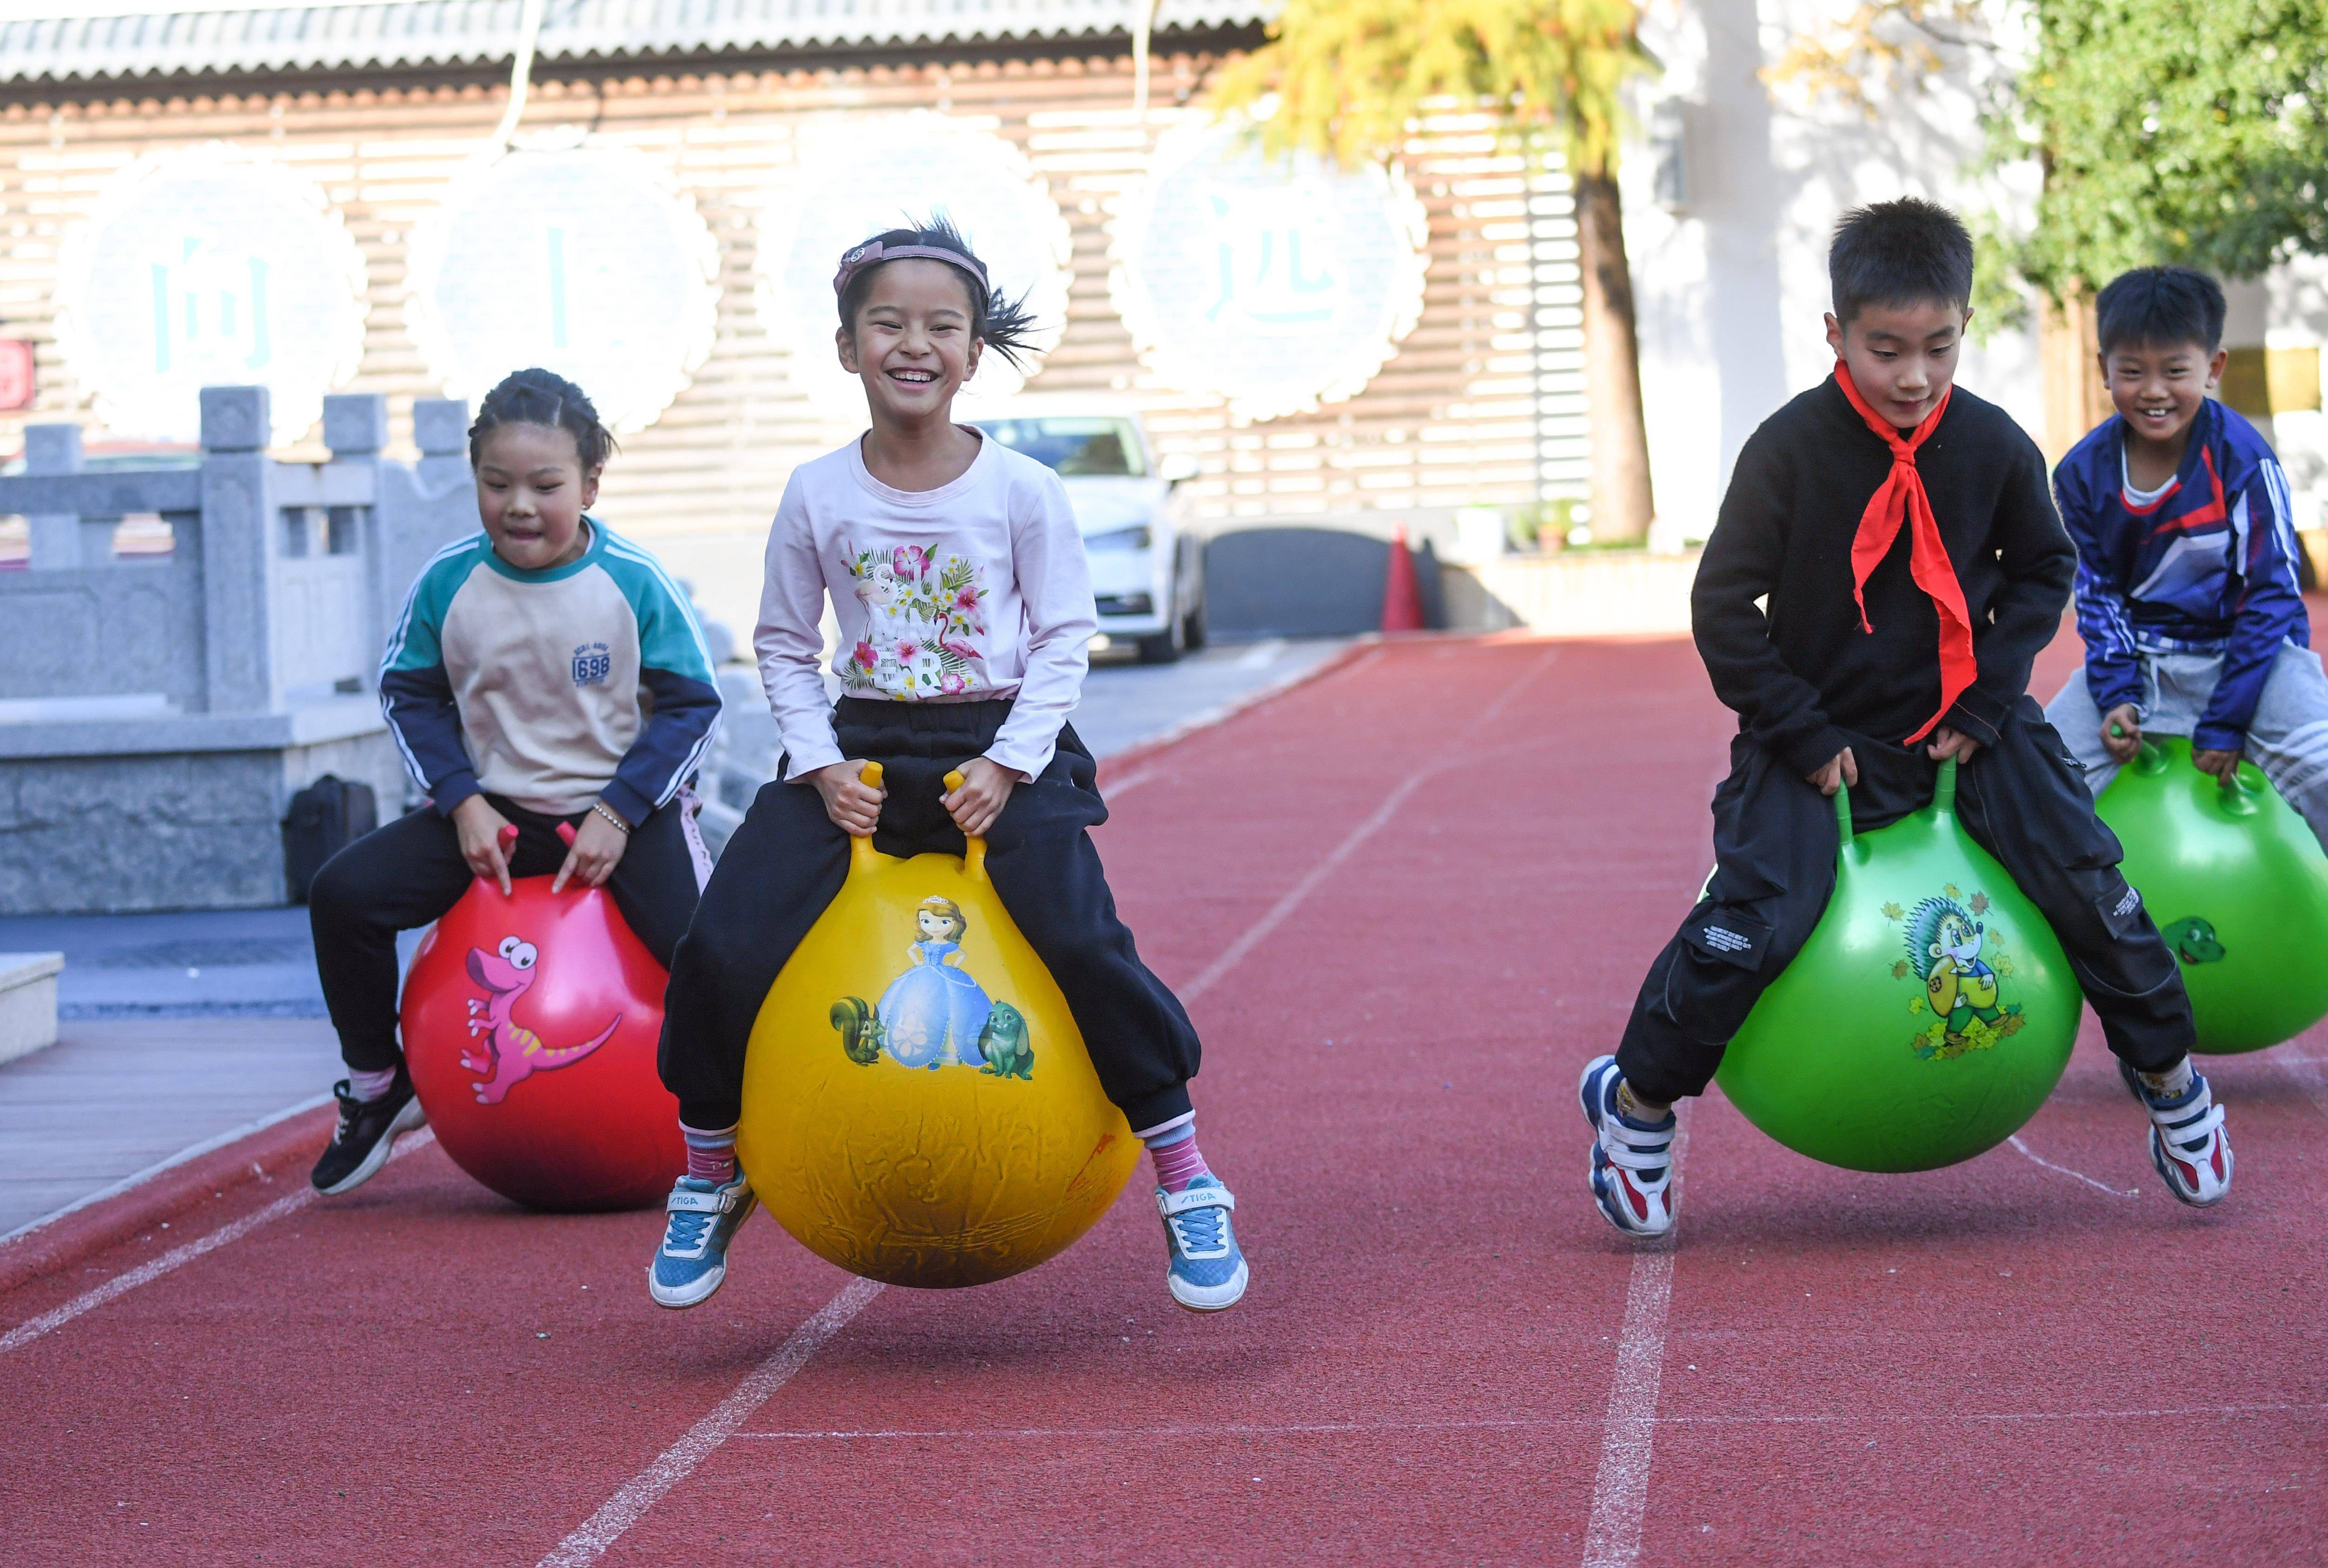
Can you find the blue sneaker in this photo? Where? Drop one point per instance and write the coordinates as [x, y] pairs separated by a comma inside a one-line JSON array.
[[693, 1257], [1208, 1271], [1632, 1161]]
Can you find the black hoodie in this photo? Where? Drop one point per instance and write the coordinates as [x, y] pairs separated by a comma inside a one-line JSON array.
[[1801, 675]]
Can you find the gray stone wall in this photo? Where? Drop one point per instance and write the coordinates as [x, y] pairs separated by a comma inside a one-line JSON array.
[[157, 715]]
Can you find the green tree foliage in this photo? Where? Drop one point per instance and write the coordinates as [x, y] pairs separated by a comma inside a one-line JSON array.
[[2192, 131], [1353, 76], [2189, 131]]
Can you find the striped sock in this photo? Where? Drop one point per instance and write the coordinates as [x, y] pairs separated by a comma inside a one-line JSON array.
[[1173, 1151], [369, 1086], [711, 1156]]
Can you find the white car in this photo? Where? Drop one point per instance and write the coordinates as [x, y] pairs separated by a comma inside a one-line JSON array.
[[1147, 570]]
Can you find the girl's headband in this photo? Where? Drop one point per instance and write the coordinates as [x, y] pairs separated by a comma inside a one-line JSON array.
[[872, 253]]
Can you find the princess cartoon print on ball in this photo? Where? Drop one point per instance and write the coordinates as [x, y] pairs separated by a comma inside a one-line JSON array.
[[932, 1014]]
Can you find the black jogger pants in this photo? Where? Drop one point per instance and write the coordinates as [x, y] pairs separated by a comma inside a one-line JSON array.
[[409, 872], [2023, 800], [787, 863]]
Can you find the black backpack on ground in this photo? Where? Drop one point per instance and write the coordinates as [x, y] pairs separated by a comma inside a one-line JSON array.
[[324, 818]]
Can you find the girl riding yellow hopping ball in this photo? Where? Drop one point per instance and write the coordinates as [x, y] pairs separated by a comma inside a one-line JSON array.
[[955, 572]]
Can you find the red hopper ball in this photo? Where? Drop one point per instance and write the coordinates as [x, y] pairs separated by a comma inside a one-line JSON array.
[[530, 1023]]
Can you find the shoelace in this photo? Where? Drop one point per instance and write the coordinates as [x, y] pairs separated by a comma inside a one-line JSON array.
[[1199, 1232], [686, 1232]]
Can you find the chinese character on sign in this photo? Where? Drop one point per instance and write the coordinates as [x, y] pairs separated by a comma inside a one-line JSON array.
[[209, 305], [1258, 248]]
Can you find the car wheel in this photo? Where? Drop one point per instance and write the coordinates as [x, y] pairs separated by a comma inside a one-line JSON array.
[[1165, 646], [1192, 627]]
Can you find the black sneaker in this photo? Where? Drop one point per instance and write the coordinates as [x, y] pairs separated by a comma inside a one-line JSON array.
[[367, 1130]]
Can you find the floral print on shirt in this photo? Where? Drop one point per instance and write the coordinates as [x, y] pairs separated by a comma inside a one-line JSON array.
[[925, 624]]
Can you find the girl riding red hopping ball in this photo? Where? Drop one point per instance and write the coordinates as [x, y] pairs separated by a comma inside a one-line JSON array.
[[1913, 566], [986, 688], [545, 673]]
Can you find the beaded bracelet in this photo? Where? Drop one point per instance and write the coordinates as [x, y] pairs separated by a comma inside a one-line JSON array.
[[602, 809]]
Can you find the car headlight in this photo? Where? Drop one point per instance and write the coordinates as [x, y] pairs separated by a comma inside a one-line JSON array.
[[1138, 537]]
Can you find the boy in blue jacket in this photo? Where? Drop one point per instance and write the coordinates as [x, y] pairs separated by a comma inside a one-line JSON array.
[[2187, 588]]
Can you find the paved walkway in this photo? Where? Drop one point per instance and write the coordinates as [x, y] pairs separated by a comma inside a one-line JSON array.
[[115, 1097], [182, 1027]]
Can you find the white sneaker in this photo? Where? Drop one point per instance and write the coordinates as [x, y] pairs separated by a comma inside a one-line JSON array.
[[2187, 1143], [1632, 1161]]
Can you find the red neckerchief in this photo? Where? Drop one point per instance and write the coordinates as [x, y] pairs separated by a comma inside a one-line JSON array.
[[1900, 497]]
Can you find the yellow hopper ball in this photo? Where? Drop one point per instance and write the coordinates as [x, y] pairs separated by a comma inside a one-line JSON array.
[[918, 1105]]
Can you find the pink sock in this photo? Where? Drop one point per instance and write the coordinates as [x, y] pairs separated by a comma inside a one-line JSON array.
[[711, 1156], [1176, 1158]]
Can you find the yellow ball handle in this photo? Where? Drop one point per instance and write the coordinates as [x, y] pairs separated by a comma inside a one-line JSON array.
[[973, 859], [861, 857]]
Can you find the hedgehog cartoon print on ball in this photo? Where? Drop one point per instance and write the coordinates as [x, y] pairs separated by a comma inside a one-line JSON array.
[[529, 1022], [1927, 1019], [951, 1132]]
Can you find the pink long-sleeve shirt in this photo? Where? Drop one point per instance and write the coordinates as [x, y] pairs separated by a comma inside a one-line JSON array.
[[974, 590]]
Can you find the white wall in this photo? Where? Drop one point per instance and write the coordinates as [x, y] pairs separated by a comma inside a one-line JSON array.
[[1732, 287]]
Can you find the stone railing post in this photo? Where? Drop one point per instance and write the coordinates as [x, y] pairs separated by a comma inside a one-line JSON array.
[[241, 537], [423, 508], [355, 428], [57, 541]]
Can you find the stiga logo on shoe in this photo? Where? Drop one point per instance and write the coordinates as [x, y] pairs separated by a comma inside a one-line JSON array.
[[593, 663]]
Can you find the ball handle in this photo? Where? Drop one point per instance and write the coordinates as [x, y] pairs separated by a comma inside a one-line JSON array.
[[973, 855]]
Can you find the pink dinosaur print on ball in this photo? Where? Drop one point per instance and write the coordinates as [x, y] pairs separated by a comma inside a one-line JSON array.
[[513, 1053]]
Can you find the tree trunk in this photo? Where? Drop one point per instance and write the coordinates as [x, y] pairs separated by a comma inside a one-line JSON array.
[[1622, 505], [2075, 398]]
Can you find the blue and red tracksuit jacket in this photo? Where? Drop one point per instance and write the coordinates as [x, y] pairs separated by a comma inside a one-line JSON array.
[[2207, 567]]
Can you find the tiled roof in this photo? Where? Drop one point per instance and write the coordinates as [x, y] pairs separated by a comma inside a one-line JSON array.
[[438, 32]]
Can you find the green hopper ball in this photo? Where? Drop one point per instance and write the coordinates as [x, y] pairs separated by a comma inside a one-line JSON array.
[[1928, 1016], [2238, 886]]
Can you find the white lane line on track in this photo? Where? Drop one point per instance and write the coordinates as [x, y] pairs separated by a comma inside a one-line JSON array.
[[178, 1257], [1277, 914], [625, 1508], [1620, 1487], [1517, 1423], [2098, 1185], [192, 1151]]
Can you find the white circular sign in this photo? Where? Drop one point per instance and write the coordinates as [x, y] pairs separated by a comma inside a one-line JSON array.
[[583, 261], [853, 178], [205, 266], [1274, 285]]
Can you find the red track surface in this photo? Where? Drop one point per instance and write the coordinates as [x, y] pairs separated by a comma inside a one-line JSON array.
[[1470, 850]]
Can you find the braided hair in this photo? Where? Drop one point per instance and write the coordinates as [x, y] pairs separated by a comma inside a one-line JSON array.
[[539, 397], [1004, 325]]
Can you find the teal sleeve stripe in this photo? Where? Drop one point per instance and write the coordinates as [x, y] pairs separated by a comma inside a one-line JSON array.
[[416, 641], [668, 637]]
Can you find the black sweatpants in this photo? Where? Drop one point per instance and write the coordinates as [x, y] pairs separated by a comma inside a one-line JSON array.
[[2023, 800], [409, 872], [787, 863]]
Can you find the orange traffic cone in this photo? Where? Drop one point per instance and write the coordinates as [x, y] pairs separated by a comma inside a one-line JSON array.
[[1402, 594]]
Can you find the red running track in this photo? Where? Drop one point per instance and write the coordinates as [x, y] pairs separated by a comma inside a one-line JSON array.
[[1407, 900]]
